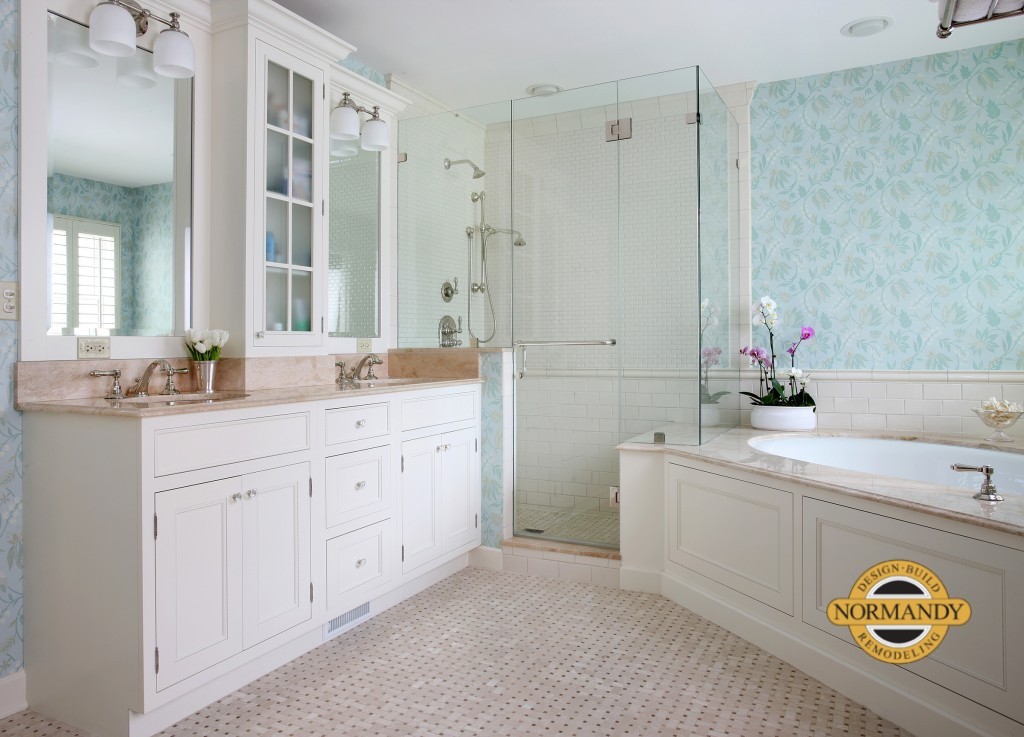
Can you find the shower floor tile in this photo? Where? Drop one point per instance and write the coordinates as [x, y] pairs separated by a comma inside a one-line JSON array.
[[489, 653], [571, 525]]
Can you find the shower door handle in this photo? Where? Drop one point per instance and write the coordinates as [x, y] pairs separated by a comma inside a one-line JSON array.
[[524, 344]]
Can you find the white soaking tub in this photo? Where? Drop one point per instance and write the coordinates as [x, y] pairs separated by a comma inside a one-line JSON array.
[[905, 459]]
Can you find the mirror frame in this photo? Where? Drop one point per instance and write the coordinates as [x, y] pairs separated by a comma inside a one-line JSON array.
[[364, 92], [35, 344]]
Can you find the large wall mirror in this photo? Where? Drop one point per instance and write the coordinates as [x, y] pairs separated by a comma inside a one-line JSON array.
[[353, 269], [118, 191]]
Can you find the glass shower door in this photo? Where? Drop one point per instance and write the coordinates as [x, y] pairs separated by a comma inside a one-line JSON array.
[[565, 315]]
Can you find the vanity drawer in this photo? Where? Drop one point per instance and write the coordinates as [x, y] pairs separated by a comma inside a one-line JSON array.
[[357, 563], [357, 485], [219, 443], [440, 410], [356, 423]]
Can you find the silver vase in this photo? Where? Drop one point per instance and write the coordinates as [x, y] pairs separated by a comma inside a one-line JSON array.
[[205, 372]]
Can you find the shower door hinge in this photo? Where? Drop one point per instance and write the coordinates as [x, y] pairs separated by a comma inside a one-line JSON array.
[[692, 118], [402, 158], [618, 130]]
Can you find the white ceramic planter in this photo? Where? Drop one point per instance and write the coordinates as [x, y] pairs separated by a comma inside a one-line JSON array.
[[783, 418]]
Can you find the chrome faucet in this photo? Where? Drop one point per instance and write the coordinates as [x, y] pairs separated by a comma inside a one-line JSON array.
[[988, 490], [141, 387], [373, 359]]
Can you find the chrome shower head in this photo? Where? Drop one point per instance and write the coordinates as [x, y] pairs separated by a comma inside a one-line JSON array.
[[477, 171], [519, 242]]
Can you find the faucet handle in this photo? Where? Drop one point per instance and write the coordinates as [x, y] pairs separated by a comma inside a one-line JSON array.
[[375, 360], [341, 374], [988, 490], [115, 390], [169, 387]]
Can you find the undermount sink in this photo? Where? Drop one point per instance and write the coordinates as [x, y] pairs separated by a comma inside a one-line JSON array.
[[184, 398], [368, 383]]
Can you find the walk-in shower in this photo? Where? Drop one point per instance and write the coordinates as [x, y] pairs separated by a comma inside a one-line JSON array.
[[600, 316]]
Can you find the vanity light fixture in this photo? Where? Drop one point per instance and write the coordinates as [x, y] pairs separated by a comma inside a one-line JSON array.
[[345, 123], [115, 24]]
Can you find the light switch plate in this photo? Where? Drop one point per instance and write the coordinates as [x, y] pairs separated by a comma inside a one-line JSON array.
[[364, 345], [8, 300], [94, 347], [613, 496]]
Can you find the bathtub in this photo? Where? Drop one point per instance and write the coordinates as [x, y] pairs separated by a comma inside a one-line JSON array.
[[906, 459]]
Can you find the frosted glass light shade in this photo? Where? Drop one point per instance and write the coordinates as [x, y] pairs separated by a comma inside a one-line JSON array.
[[174, 55], [344, 124], [375, 135], [68, 46], [134, 72], [344, 149], [111, 30]]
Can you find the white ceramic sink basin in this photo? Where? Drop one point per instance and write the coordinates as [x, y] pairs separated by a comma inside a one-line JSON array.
[[189, 398]]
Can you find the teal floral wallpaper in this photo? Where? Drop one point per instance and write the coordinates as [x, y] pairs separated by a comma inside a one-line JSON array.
[[492, 440], [11, 653], [887, 210]]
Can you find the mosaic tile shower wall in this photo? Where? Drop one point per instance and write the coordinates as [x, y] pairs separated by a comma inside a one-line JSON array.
[[886, 210]]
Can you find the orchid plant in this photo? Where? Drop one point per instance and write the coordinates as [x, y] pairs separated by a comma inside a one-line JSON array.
[[709, 355], [205, 345], [774, 392]]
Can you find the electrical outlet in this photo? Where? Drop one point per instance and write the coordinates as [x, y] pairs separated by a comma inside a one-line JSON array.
[[613, 496], [8, 300], [364, 345], [94, 347]]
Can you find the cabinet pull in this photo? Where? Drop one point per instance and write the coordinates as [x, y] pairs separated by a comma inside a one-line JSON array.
[[251, 493], [360, 485], [440, 448], [360, 423], [236, 497], [361, 562]]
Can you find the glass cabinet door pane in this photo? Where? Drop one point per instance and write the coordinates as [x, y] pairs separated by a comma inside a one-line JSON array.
[[301, 295], [302, 170], [277, 95], [277, 299], [302, 235], [277, 230], [302, 106], [277, 162]]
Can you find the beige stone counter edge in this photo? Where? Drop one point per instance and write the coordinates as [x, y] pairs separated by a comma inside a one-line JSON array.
[[942, 501], [254, 398]]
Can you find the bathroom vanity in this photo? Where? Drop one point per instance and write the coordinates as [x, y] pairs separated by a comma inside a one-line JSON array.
[[175, 551]]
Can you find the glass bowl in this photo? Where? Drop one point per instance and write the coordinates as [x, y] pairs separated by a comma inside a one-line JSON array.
[[999, 421]]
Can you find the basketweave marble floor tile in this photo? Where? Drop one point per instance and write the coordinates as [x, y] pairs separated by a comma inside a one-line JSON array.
[[487, 653]]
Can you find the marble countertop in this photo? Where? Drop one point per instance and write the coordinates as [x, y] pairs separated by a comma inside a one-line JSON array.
[[731, 450], [159, 405]]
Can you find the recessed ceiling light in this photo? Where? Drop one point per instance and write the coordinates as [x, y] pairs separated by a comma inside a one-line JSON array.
[[544, 88], [866, 26]]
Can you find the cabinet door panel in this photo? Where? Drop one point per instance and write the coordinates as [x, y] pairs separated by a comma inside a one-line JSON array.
[[276, 575], [460, 489], [421, 539], [198, 583]]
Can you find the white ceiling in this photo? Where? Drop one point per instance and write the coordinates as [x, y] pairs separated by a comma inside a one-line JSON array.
[[471, 52]]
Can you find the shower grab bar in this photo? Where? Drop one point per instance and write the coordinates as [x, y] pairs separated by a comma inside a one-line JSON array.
[[524, 344]]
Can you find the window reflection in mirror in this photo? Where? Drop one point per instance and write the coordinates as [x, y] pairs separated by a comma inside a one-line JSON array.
[[353, 269], [119, 220]]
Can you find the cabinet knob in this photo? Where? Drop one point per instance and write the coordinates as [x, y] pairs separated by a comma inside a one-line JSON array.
[[360, 485], [360, 423], [440, 448], [252, 493], [361, 562], [236, 497], [261, 334]]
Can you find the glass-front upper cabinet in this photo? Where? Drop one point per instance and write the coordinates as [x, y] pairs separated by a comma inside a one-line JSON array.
[[286, 287]]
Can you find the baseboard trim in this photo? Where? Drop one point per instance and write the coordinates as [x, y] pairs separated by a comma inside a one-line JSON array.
[[641, 579], [13, 694], [484, 557]]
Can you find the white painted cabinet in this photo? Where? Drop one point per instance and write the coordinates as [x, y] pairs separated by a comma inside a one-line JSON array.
[[440, 495], [232, 567]]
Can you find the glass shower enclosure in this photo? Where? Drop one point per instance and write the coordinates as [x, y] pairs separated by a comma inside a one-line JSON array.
[[594, 234]]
